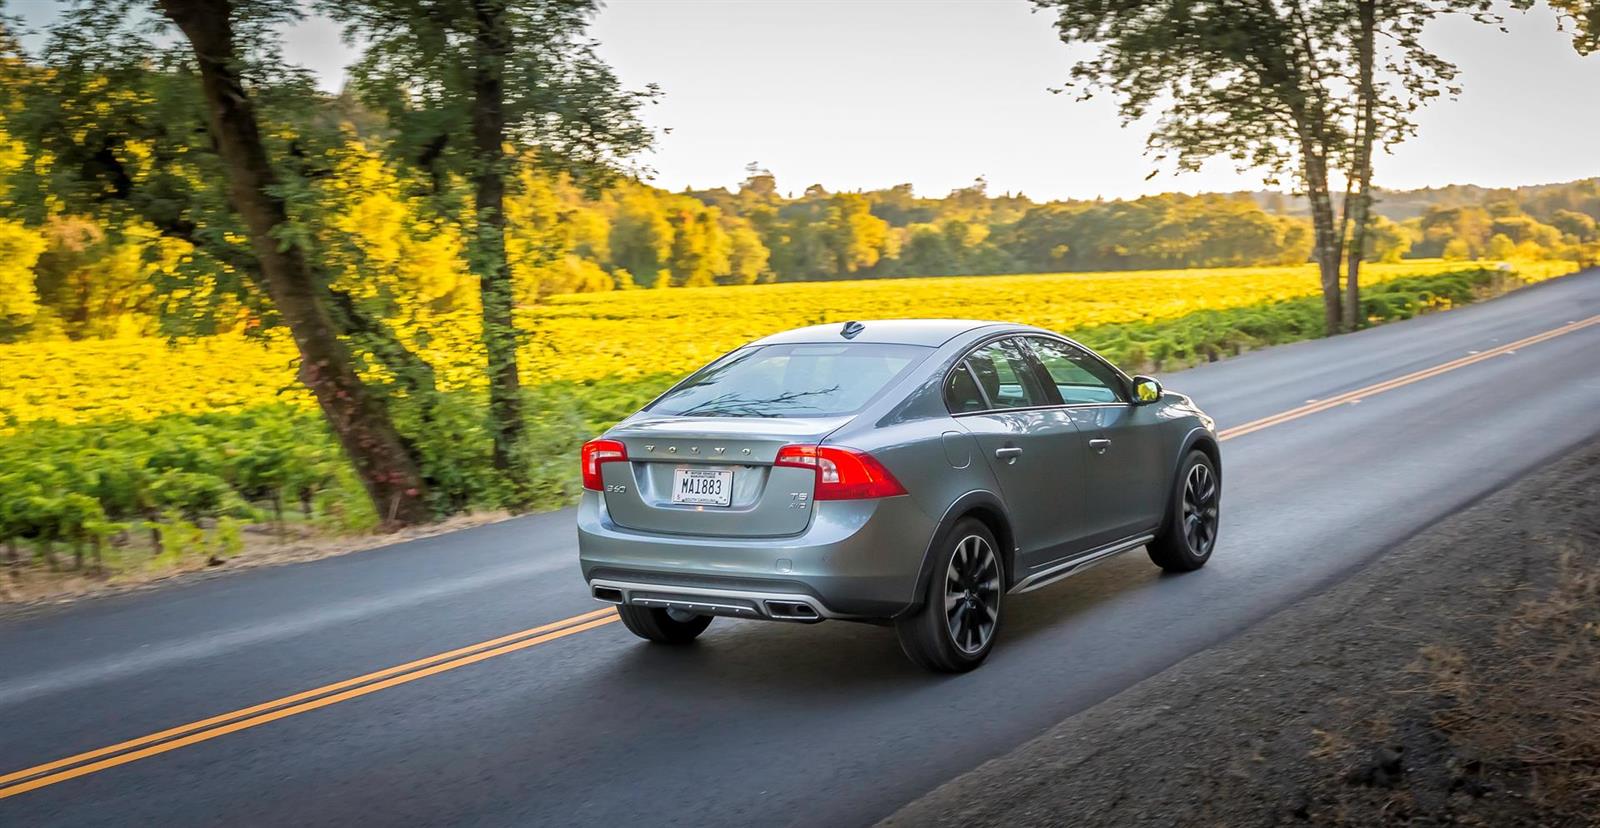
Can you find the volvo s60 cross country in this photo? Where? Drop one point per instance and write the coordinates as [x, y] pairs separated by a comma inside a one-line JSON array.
[[918, 473]]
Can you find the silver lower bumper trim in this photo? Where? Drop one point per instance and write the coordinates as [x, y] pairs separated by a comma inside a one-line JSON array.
[[734, 603]]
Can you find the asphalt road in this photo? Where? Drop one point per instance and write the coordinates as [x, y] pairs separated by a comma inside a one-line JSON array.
[[765, 723]]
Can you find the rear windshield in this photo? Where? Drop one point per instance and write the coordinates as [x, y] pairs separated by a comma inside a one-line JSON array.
[[791, 381]]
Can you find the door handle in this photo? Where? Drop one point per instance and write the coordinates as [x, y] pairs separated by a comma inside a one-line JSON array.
[[1008, 453], [1100, 444]]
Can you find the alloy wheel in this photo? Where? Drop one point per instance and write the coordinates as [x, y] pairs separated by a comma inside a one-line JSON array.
[[1200, 512], [972, 594]]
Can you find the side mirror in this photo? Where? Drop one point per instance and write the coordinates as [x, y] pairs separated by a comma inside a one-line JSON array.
[[1145, 390]]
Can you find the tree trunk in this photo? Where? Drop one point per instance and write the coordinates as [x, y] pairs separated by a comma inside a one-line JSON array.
[[1327, 238], [277, 516], [1294, 77], [1361, 210], [489, 259], [358, 418]]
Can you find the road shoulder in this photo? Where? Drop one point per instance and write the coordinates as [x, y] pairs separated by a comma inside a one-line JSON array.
[[1393, 697]]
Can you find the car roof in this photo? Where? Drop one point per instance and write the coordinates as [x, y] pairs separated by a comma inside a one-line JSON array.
[[926, 332]]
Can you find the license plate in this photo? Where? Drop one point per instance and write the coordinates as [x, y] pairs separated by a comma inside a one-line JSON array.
[[702, 487]]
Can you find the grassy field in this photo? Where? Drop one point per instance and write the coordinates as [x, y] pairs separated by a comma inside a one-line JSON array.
[[638, 335]]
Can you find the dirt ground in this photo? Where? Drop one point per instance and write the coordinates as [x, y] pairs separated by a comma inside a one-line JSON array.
[[1455, 681]]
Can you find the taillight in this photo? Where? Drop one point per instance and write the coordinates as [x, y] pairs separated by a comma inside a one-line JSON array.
[[596, 452], [842, 473]]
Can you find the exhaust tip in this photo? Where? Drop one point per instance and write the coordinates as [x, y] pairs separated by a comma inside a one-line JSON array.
[[792, 611], [610, 595]]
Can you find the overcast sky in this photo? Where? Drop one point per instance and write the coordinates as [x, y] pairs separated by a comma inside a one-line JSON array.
[[858, 94]]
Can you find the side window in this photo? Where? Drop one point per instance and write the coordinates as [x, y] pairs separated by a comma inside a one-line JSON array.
[[961, 392], [1078, 377], [1007, 379]]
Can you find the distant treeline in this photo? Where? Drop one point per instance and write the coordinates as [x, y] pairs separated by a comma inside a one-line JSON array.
[[1399, 205], [75, 276], [894, 232], [1468, 221]]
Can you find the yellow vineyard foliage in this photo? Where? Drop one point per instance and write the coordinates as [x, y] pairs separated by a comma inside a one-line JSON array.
[[629, 334]]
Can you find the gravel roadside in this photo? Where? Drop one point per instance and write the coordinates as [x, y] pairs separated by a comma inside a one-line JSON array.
[[1391, 698]]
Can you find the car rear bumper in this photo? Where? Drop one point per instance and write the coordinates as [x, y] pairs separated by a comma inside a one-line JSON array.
[[856, 559]]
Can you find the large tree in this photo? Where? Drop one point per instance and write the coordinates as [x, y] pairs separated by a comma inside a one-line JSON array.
[[1236, 79], [152, 114], [474, 88], [1288, 87], [357, 416]]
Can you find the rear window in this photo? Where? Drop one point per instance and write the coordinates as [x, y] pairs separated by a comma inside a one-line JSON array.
[[791, 381]]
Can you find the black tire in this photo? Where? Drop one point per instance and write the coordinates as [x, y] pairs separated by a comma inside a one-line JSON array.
[[1194, 517], [658, 625], [927, 635]]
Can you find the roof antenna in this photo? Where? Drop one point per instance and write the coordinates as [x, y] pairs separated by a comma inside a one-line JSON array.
[[851, 329]]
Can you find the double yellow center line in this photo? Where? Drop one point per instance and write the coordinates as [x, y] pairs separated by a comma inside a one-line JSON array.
[[1359, 394], [133, 750], [93, 761]]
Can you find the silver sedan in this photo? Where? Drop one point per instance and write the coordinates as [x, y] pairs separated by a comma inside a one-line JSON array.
[[908, 472]]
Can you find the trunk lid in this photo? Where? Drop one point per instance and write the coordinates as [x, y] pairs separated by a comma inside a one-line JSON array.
[[763, 500]]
